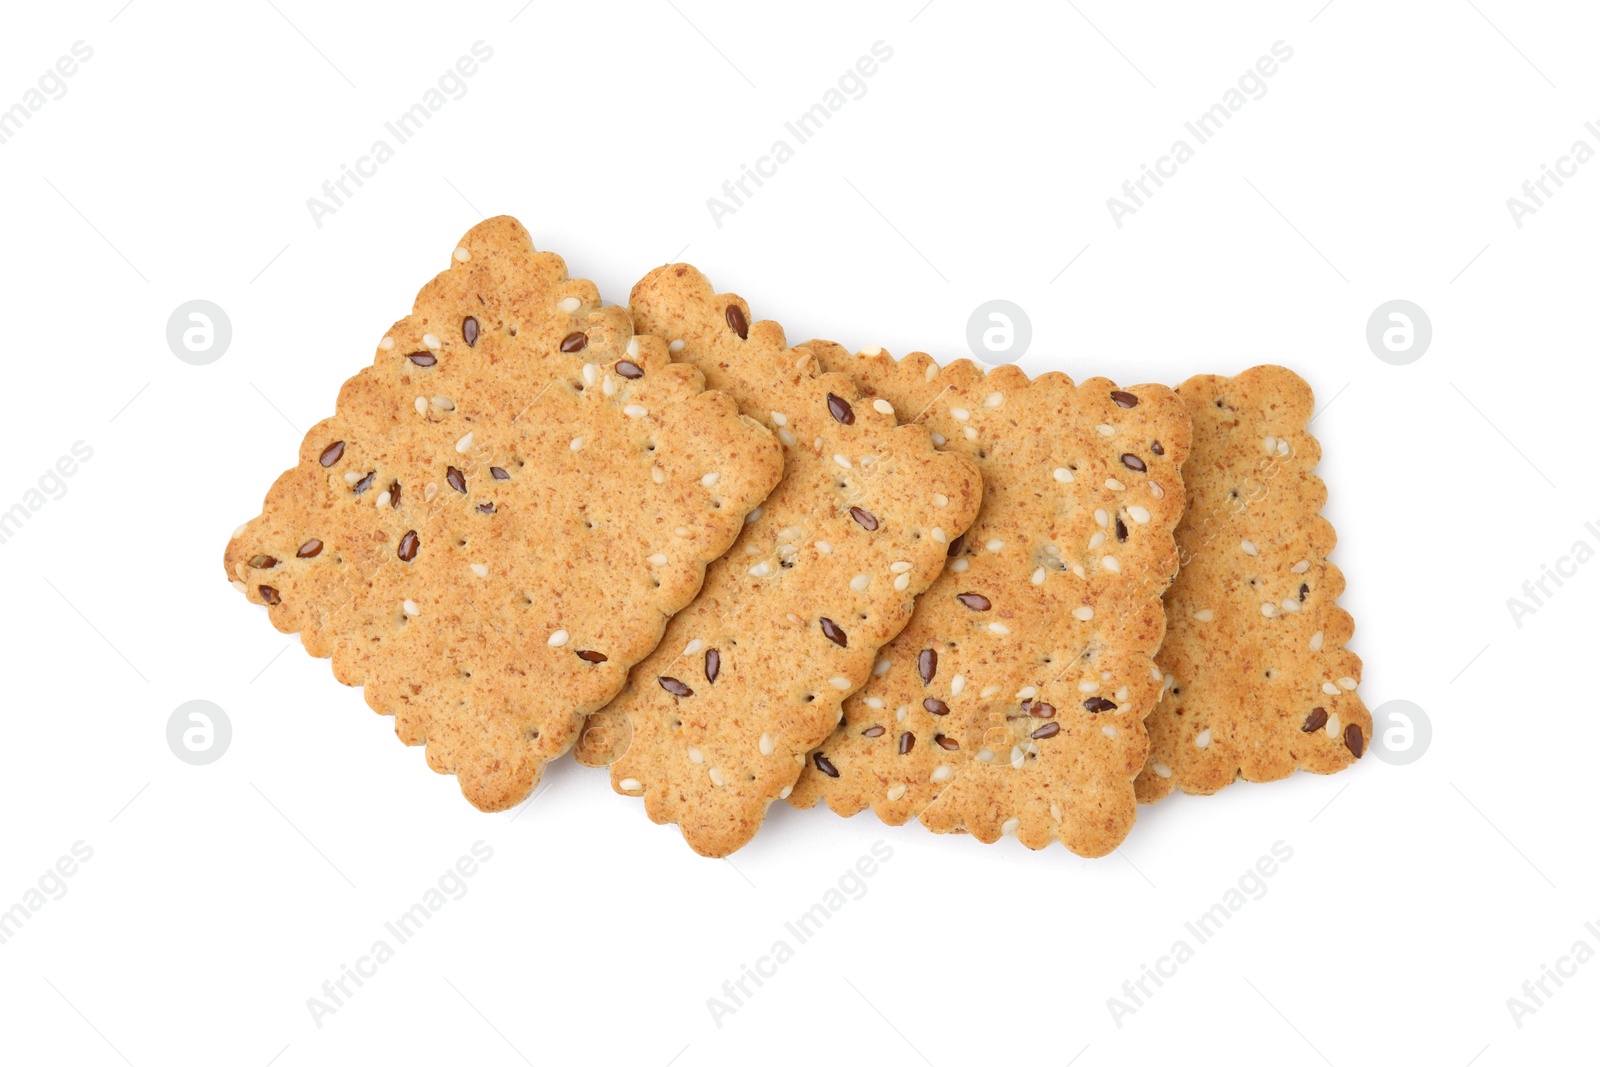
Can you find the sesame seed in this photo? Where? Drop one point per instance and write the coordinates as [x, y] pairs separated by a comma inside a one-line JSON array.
[[635, 411], [1110, 563], [659, 559], [1203, 738], [383, 499], [960, 414], [1316, 641], [430, 340], [465, 442], [386, 344], [1139, 515], [971, 434], [870, 350], [941, 772], [237, 584], [824, 547], [569, 305], [957, 684], [999, 628], [841, 460], [1248, 547], [461, 254], [1283, 446], [1106, 431], [752, 516], [1077, 569], [658, 475], [937, 438], [1097, 540], [696, 756], [675, 347], [994, 400], [629, 785], [1156, 490], [608, 386], [710, 478], [882, 407], [429, 491], [1062, 474], [1269, 610], [1290, 605], [1027, 692], [421, 404], [1114, 485], [716, 776], [860, 582], [761, 570], [633, 347], [1083, 613], [767, 744], [1301, 567], [352, 477], [959, 566], [577, 443], [1331, 689], [1102, 516], [1010, 826], [902, 582], [783, 794], [839, 682], [1347, 682], [1161, 769], [994, 544], [931, 373], [896, 791], [1109, 731], [940, 500], [900, 566], [1270, 444], [1038, 576], [410, 608], [881, 668]]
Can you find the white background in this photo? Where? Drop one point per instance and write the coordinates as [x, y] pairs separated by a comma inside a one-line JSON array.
[[1377, 166]]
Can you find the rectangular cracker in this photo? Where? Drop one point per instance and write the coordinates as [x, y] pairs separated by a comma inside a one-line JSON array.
[[1014, 702], [1257, 679], [716, 724], [502, 513]]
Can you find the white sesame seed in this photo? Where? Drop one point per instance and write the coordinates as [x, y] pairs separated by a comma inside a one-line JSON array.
[[557, 639], [675, 347], [761, 570], [1106, 431], [576, 444], [1139, 515], [1301, 567], [1269, 610], [1333, 725], [902, 582], [1156, 490], [841, 460], [710, 478], [970, 433], [870, 350], [421, 404], [386, 344], [999, 628], [1083, 613], [1018, 757], [1110, 563], [695, 755], [940, 500], [1102, 516], [779, 418], [931, 373], [959, 565], [989, 691], [1097, 540], [938, 534], [444, 403], [591, 374], [783, 794], [480, 569], [752, 516], [881, 668], [240, 529], [786, 437], [658, 475], [1248, 547], [461, 254], [937, 438], [629, 785], [1114, 485], [608, 385], [840, 682], [941, 772], [882, 406], [860, 582], [1203, 738], [1038, 576], [1270, 444], [1161, 769], [876, 703], [569, 305], [633, 347], [410, 608], [900, 566], [1109, 731], [896, 791], [716, 776], [1121, 694], [681, 531], [429, 491], [237, 584], [960, 414], [465, 442], [1010, 826], [659, 559], [994, 400], [1331, 689], [352, 477], [824, 547], [984, 756], [1088, 685], [1290, 605], [1077, 569], [383, 499], [430, 340], [1027, 692], [994, 544], [957, 684], [1283, 446], [636, 411], [1062, 474], [1316, 641], [767, 744], [1347, 682]]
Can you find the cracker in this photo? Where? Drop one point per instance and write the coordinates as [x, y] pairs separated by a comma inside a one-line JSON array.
[[1258, 679], [1014, 701], [751, 676], [503, 512]]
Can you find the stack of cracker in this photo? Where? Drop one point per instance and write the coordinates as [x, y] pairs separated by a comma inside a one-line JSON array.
[[737, 572]]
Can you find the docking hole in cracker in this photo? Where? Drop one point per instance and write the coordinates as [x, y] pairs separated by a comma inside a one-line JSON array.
[[503, 512]]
